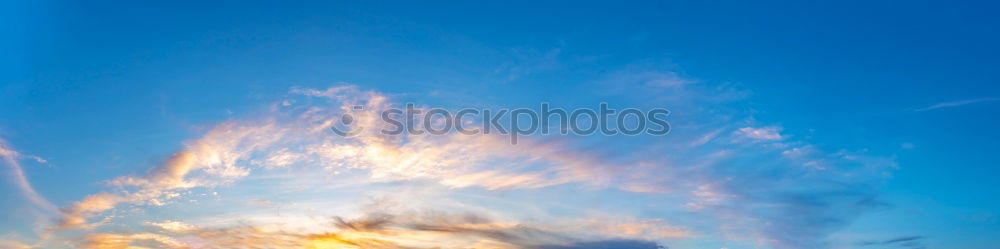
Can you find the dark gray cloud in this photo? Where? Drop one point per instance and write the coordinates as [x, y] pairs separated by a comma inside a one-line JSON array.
[[912, 242], [375, 230], [608, 244]]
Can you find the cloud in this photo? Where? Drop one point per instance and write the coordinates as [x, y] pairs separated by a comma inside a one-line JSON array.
[[907, 146], [763, 133], [173, 226], [129, 241], [373, 230], [261, 202], [955, 104], [706, 138], [763, 194], [215, 154], [13, 244], [655, 229], [299, 134], [753, 191], [609, 244], [914, 242], [10, 158], [762, 187], [645, 78]]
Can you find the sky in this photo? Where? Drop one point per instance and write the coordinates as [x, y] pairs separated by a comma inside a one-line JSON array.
[[188, 124]]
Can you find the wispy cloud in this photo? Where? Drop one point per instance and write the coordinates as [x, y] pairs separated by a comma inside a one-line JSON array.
[[10, 158], [296, 134], [913, 242], [215, 154], [373, 230], [751, 185], [172, 226], [13, 244], [763, 133], [955, 104], [756, 190]]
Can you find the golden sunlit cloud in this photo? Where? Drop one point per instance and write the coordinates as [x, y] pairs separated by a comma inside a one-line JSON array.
[[292, 167]]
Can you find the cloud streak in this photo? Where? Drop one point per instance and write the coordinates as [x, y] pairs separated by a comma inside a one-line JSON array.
[[761, 186], [10, 158], [913, 242], [375, 230], [955, 104], [215, 154]]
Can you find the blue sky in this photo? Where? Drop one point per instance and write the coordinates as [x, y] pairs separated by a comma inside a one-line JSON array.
[[847, 124]]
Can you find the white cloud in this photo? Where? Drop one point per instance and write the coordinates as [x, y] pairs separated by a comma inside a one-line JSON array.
[[10, 158], [173, 226], [955, 104], [763, 133]]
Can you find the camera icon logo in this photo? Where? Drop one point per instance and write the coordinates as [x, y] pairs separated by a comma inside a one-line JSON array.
[[346, 121]]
